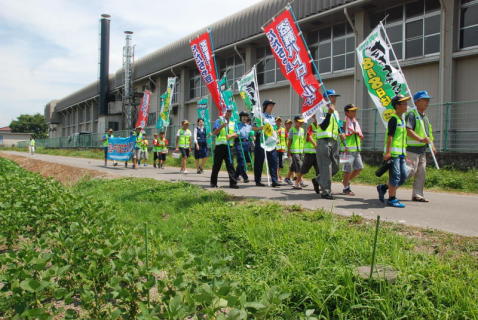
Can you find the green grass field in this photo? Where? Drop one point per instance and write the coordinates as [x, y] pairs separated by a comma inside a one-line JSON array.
[[446, 179], [145, 249]]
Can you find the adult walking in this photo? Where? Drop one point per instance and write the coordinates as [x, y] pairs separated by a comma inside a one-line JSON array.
[[419, 136], [183, 144], [200, 145], [31, 147], [224, 131], [138, 134], [242, 147], [259, 153], [281, 146], [108, 134], [327, 146]]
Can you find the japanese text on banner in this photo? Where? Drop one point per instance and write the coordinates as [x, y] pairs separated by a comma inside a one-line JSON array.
[[293, 58], [202, 54], [382, 79], [143, 110]]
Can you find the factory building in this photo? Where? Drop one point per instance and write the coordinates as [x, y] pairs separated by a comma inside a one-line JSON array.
[[436, 42]]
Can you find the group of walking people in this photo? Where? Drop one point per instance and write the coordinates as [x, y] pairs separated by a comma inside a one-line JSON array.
[[322, 144]]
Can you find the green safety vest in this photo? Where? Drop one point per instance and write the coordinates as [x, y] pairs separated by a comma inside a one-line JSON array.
[[282, 145], [399, 141], [105, 143], [144, 145], [222, 136], [184, 138], [332, 130], [297, 136], [419, 130], [155, 145], [353, 142], [308, 146], [139, 138], [162, 147], [32, 142]]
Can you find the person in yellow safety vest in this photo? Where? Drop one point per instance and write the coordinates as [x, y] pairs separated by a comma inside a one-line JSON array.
[[144, 151], [352, 146], [160, 149], [224, 130], [295, 147], [183, 144], [281, 146], [155, 150], [290, 174], [420, 135], [310, 159], [31, 147], [396, 151], [108, 134], [327, 154], [137, 146]]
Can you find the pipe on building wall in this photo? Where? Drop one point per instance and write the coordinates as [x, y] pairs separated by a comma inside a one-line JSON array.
[[349, 20], [239, 54], [104, 63]]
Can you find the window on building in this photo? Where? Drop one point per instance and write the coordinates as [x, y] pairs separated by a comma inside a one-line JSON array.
[[333, 48], [151, 119], [267, 69], [196, 85], [468, 23], [234, 69], [413, 28], [177, 87], [115, 124]]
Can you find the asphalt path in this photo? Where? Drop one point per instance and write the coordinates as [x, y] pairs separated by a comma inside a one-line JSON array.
[[451, 212]]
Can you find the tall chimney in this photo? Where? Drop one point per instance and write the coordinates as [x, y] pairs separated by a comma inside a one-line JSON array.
[[104, 63]]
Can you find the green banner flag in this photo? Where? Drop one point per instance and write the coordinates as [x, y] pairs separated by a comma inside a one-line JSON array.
[[228, 97], [249, 91], [381, 76], [165, 104], [203, 113]]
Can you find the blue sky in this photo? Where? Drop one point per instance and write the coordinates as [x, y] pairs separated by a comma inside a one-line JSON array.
[[49, 48]]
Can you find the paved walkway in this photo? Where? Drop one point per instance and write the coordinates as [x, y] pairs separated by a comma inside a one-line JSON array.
[[456, 213]]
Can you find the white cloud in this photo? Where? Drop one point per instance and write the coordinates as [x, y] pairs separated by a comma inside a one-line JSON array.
[[53, 49]]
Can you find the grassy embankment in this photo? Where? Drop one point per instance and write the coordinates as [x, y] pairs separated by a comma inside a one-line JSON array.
[[446, 179], [105, 248]]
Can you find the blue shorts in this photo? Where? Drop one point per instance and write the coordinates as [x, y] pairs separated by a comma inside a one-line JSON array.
[[398, 171]]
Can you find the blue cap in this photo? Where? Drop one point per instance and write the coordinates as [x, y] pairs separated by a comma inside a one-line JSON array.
[[228, 108], [421, 95], [331, 92]]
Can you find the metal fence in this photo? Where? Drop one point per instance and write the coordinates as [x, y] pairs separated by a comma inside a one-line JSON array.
[[455, 128]]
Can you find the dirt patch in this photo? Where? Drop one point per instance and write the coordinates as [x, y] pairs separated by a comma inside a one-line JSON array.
[[67, 175]]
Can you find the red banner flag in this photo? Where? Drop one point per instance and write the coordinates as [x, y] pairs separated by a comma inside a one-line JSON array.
[[143, 110], [294, 60], [202, 53]]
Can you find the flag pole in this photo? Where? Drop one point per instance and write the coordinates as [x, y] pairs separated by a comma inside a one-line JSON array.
[[262, 131], [322, 85], [215, 67], [382, 27]]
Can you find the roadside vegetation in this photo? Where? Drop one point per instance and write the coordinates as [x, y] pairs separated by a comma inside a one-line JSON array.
[[446, 179], [143, 249]]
